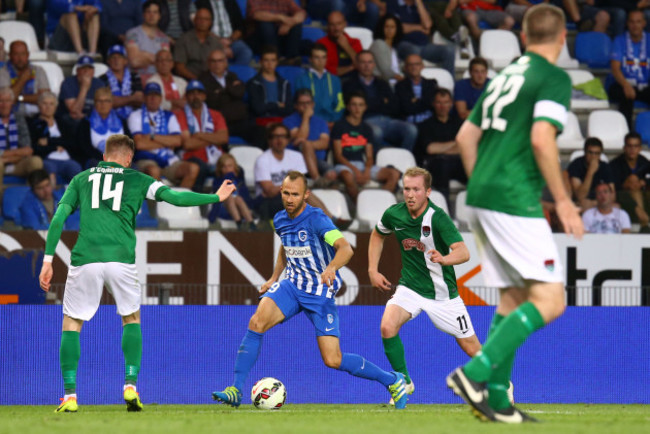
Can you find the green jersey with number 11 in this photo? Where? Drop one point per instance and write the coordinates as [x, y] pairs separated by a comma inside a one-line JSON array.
[[506, 177], [109, 197]]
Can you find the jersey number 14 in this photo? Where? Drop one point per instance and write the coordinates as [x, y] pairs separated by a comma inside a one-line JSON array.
[[107, 192], [501, 91]]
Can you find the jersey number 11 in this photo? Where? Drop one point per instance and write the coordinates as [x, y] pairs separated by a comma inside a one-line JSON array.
[[107, 192]]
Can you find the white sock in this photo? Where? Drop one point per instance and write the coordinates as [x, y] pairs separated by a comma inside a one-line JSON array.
[[72, 395], [130, 385]]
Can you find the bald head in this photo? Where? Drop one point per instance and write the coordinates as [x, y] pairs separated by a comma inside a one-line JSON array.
[[335, 24]]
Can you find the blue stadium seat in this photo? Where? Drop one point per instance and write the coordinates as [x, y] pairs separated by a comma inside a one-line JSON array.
[[10, 179], [11, 200], [244, 72], [144, 219], [312, 33], [290, 73], [642, 126], [593, 48], [236, 140], [242, 7]]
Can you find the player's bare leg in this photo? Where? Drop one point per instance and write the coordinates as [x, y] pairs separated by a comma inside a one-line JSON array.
[[132, 348], [69, 353]]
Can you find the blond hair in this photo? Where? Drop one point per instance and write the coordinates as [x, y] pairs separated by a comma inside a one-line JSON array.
[[222, 162], [419, 171], [543, 23]]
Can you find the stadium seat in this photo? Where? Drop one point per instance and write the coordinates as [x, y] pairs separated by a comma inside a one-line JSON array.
[[312, 34], [579, 76], [371, 204], [11, 200], [335, 202], [244, 72], [580, 153], [54, 74], [442, 76], [399, 158], [460, 62], [242, 7], [609, 126], [178, 217], [593, 48], [642, 126], [565, 60], [237, 141], [19, 30], [362, 34], [462, 211], [646, 154], [144, 219], [290, 73], [499, 47], [246, 157], [100, 69], [439, 200], [571, 137]]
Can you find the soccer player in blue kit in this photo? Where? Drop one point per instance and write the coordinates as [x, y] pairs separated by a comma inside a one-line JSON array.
[[312, 252]]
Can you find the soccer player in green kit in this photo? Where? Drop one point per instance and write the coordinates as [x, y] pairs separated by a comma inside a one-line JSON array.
[[508, 149], [109, 197]]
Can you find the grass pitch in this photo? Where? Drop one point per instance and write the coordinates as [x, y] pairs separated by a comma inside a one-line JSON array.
[[319, 418]]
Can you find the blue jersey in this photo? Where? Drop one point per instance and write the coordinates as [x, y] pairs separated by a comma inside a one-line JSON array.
[[307, 252]]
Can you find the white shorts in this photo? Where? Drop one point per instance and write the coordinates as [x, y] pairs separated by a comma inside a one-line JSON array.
[[85, 284], [449, 316], [514, 249]]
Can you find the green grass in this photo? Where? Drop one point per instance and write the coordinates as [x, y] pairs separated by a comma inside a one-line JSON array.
[[319, 418]]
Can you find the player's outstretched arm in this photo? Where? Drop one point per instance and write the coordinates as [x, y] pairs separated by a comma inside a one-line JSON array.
[[459, 254], [280, 265], [189, 198], [53, 237], [343, 255], [375, 247], [467, 139]]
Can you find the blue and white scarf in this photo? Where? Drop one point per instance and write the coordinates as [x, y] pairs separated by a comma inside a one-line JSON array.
[[29, 88], [102, 129], [636, 69], [9, 134], [158, 123], [206, 126], [121, 90]]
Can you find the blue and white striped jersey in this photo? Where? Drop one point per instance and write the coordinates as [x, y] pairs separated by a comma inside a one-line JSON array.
[[307, 252]]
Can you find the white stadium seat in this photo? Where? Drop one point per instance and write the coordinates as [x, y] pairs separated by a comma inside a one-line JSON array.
[[335, 202], [19, 30], [499, 47], [399, 158], [460, 62], [462, 211], [246, 157], [565, 60], [571, 137], [579, 76], [181, 217], [362, 34], [100, 69], [439, 200], [609, 126], [580, 152], [54, 74], [371, 205], [442, 76]]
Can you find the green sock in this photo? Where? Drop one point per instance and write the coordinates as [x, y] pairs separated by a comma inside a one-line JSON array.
[[69, 353], [132, 348], [507, 337], [500, 379], [394, 349]]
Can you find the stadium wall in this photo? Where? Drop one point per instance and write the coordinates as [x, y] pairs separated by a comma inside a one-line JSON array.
[[590, 355]]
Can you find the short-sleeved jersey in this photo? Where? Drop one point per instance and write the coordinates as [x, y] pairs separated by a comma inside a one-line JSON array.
[[307, 252], [506, 177], [109, 197], [433, 229]]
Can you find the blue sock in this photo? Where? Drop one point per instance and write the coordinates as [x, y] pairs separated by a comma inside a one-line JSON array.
[[360, 367], [249, 349]]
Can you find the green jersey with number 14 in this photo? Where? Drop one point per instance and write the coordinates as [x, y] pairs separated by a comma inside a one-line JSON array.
[[506, 177], [109, 197]]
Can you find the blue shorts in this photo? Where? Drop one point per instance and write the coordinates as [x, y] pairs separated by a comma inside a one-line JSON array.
[[321, 311]]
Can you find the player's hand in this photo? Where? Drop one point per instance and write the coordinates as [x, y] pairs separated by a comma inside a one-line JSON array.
[[379, 280], [226, 190], [436, 257], [567, 212], [266, 285], [328, 276], [46, 276]]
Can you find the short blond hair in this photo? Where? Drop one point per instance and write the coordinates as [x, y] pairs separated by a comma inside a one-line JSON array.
[[419, 171], [543, 23]]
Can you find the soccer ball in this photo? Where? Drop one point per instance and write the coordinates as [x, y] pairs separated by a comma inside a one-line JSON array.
[[269, 394]]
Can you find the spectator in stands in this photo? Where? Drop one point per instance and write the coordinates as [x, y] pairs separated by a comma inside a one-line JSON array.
[[40, 203], [310, 134], [325, 87], [117, 17], [157, 135], [37, 9], [237, 206], [630, 5], [225, 92], [635, 200], [417, 34], [26, 80], [96, 128], [437, 150], [175, 17], [630, 68], [228, 24], [340, 47], [172, 85], [77, 93], [587, 172], [383, 106], [278, 23], [415, 92], [144, 41], [269, 94], [3, 52], [630, 161], [605, 218], [67, 19], [387, 35], [468, 90], [52, 142], [447, 20], [204, 133], [352, 144], [16, 153], [488, 11], [125, 84], [364, 13]]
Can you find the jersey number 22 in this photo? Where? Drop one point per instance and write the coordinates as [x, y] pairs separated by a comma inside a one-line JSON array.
[[509, 85], [107, 192]]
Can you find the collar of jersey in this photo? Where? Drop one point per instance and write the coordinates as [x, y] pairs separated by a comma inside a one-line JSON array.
[[109, 163]]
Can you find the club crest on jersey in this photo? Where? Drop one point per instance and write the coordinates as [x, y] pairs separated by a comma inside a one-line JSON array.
[[330, 318], [302, 236], [549, 264], [426, 231]]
